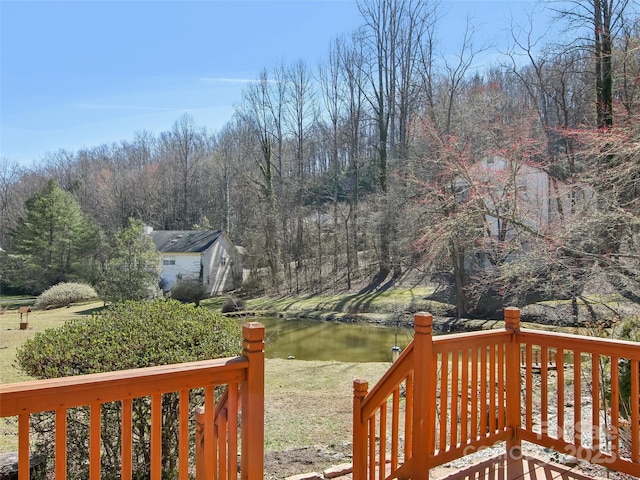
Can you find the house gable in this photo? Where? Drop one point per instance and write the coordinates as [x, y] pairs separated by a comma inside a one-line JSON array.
[[206, 256]]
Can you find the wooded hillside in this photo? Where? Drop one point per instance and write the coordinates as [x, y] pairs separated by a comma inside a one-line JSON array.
[[376, 157]]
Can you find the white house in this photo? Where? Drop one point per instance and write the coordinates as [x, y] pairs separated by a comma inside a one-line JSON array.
[[207, 256], [525, 194]]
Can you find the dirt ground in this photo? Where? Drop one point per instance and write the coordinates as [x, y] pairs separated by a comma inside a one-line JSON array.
[[316, 458]]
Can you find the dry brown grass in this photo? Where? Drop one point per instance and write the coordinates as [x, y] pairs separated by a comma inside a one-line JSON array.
[[311, 403], [307, 402]]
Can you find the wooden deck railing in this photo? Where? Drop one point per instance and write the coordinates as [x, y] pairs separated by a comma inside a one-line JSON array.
[[452, 395], [216, 445]]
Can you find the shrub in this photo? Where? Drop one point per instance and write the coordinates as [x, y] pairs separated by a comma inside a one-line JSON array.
[[188, 290], [64, 294], [132, 334], [232, 304]]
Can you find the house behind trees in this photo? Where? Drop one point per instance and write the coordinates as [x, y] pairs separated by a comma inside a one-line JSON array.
[[208, 256]]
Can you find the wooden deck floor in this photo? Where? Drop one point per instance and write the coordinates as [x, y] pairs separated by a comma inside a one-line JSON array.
[[527, 468]]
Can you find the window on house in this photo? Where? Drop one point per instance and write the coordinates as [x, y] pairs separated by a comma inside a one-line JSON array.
[[223, 260], [168, 261]]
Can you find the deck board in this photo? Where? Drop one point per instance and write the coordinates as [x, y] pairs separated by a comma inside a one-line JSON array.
[[529, 467]]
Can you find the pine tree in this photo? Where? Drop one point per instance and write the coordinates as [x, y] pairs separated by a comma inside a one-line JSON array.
[[54, 242]]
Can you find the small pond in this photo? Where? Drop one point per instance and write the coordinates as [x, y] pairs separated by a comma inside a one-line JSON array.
[[321, 340]]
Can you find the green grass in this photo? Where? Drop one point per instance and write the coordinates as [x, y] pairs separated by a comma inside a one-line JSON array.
[[390, 301], [307, 403], [11, 338], [13, 302], [39, 320]]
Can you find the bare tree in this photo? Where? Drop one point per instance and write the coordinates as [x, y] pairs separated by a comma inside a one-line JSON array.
[[185, 151], [301, 119], [602, 21], [261, 114], [10, 202], [393, 34]]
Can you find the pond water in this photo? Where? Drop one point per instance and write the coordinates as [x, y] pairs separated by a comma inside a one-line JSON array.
[[320, 340]]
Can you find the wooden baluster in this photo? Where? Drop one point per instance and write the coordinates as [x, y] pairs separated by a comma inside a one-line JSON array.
[[455, 367], [529, 388], [444, 409], [24, 455], [544, 392], [94, 441], [183, 435], [232, 405], [595, 394], [483, 391], [577, 398], [474, 394], [156, 436], [560, 389], [395, 431], [61, 444], [201, 473], [221, 433], [635, 411], [372, 447], [382, 455], [514, 415], [126, 455], [408, 417], [359, 453], [492, 390], [210, 450], [615, 408], [464, 400], [502, 402]]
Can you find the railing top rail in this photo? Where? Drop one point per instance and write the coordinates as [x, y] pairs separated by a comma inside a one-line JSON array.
[[389, 381], [68, 392], [446, 343], [568, 341]]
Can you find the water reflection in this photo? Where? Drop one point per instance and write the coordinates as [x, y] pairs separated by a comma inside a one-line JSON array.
[[319, 340]]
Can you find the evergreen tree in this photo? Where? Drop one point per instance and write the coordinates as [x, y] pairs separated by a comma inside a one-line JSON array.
[[54, 242], [133, 269]]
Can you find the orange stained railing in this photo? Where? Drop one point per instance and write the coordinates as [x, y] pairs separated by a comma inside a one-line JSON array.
[[216, 444], [449, 396]]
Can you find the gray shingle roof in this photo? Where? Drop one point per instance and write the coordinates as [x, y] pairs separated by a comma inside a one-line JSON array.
[[184, 241]]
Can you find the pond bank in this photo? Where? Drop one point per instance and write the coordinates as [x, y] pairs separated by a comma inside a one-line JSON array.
[[441, 324], [548, 316]]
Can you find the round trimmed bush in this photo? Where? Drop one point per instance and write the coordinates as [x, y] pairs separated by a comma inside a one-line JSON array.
[[131, 334], [64, 294]]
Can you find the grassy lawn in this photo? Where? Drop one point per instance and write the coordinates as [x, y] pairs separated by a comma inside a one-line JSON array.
[[12, 337], [307, 403], [388, 301]]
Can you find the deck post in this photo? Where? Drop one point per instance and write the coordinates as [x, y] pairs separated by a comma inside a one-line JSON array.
[[252, 454], [513, 386], [423, 408], [359, 453]]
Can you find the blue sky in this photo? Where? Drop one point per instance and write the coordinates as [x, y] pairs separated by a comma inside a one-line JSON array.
[[81, 73]]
